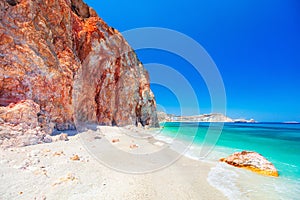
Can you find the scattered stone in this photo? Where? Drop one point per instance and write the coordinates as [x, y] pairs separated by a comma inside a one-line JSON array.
[[75, 158], [41, 171], [61, 137], [115, 140], [251, 161], [58, 153], [98, 138], [69, 178], [35, 161], [34, 153], [134, 146], [43, 197], [47, 139], [25, 164], [46, 150]]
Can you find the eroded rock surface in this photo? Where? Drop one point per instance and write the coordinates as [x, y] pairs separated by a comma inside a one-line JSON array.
[[63, 57], [252, 161], [19, 125]]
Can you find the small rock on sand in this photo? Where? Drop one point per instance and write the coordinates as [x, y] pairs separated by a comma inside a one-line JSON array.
[[69, 178], [134, 146], [58, 153], [75, 158], [115, 140]]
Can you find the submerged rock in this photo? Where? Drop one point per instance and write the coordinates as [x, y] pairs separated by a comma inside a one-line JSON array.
[[251, 161], [76, 68]]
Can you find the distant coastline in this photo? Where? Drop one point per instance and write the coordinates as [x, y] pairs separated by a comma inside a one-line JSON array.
[[291, 122], [213, 117]]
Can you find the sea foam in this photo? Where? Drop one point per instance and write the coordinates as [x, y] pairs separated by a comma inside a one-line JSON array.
[[225, 180]]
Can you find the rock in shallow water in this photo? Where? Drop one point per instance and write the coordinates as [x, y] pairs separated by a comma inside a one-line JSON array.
[[252, 161], [66, 59]]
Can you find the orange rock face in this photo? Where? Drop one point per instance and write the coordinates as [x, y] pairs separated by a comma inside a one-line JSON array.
[[252, 161], [66, 59]]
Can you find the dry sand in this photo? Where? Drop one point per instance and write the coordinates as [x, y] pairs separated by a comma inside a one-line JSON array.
[[72, 170]]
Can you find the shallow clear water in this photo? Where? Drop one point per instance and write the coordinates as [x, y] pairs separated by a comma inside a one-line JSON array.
[[278, 142]]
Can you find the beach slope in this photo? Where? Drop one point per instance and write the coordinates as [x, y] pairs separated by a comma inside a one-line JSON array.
[[69, 170]]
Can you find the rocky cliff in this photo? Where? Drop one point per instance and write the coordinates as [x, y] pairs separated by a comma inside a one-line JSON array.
[[62, 56]]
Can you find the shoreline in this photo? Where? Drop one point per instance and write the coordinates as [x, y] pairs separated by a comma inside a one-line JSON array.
[[236, 183], [66, 169]]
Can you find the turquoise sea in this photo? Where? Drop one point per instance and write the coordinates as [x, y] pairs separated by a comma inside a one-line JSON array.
[[278, 142]]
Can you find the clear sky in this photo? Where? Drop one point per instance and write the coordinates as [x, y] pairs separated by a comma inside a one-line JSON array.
[[254, 43]]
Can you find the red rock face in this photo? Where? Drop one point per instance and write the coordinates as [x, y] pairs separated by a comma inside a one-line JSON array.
[[66, 59]]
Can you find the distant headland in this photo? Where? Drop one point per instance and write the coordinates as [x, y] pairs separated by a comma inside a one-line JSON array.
[[213, 117]]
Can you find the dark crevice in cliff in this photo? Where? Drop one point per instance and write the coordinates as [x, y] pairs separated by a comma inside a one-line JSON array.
[[114, 123], [97, 100], [116, 79], [138, 113], [75, 10], [118, 69], [12, 2], [80, 8]]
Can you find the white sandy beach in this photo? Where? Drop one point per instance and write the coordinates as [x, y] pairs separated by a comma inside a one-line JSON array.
[[46, 171]]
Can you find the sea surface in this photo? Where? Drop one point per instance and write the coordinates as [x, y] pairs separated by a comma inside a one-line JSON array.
[[278, 142]]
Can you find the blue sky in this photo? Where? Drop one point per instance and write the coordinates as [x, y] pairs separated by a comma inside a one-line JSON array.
[[254, 43]]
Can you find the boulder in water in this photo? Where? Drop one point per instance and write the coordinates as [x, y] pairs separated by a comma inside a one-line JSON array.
[[251, 161]]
